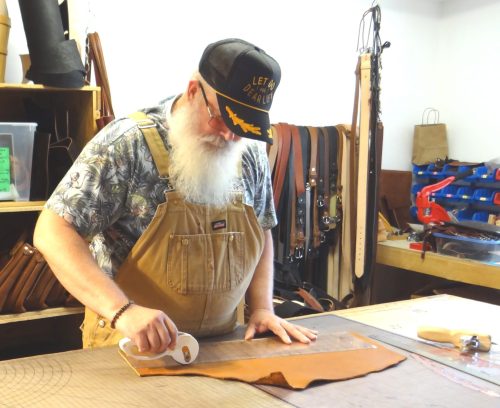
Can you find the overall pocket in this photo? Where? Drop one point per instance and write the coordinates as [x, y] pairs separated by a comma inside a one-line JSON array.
[[205, 263]]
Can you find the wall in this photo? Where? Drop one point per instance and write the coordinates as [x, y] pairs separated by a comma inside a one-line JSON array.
[[151, 49], [469, 61]]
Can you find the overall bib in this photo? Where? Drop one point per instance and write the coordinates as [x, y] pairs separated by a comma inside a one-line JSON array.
[[194, 262]]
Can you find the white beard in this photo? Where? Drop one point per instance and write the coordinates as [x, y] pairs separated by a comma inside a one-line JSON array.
[[203, 168]]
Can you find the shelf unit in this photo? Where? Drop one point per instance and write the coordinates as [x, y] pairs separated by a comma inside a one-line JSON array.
[[20, 206], [53, 329], [398, 254], [39, 332]]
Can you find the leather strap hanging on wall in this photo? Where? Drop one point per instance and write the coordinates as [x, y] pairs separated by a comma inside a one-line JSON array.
[[353, 163], [95, 57], [299, 200], [306, 196], [272, 152], [333, 145], [313, 181], [284, 141], [335, 172], [344, 283], [369, 153], [323, 180]]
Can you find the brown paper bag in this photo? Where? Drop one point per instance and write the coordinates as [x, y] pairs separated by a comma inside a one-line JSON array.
[[430, 142]]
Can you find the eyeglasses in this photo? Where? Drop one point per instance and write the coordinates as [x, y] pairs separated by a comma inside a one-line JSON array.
[[215, 122]]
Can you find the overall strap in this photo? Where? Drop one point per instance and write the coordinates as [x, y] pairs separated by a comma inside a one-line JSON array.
[[154, 141]]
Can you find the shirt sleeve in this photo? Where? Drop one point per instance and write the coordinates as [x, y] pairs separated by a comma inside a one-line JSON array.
[[257, 176], [93, 192]]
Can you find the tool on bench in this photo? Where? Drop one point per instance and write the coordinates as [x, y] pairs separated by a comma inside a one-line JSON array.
[[465, 340], [481, 365], [185, 352], [428, 211]]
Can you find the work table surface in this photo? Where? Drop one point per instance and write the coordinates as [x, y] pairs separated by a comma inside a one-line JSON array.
[[101, 377]]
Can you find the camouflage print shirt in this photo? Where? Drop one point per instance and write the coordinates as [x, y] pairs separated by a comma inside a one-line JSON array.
[[111, 192]]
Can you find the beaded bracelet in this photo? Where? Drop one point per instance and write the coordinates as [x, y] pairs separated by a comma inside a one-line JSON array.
[[120, 312]]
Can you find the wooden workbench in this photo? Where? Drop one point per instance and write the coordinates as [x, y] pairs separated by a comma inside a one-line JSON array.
[[397, 254], [101, 378]]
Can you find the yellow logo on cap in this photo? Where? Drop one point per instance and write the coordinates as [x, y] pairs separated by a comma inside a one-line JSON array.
[[246, 127]]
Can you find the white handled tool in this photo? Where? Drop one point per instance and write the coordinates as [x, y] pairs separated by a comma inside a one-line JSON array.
[[185, 352], [465, 340]]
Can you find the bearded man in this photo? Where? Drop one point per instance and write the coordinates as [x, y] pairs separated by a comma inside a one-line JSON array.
[[176, 202]]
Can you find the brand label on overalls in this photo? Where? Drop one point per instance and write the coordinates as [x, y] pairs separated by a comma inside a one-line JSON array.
[[217, 225]]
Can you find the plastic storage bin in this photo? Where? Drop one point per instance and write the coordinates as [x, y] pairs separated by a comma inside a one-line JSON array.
[[16, 153], [483, 195], [467, 247], [464, 194]]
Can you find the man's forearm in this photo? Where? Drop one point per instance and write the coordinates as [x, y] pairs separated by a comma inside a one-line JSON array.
[[260, 292], [69, 257]]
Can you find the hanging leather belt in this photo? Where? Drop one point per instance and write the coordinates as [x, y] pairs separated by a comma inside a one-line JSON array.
[[353, 162], [313, 181], [280, 193], [272, 150], [306, 148], [331, 217], [299, 203], [322, 190], [281, 163]]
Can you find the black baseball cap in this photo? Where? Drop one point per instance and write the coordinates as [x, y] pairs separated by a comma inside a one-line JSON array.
[[245, 79]]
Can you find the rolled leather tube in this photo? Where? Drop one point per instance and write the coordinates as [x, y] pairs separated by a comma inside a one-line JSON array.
[[55, 61]]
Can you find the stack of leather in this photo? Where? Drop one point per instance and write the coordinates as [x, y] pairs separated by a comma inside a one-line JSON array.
[[27, 282]]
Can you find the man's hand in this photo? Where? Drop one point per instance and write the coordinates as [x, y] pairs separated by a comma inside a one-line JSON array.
[[151, 330], [262, 320]]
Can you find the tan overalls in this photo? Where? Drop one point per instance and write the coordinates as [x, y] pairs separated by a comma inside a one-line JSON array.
[[193, 262]]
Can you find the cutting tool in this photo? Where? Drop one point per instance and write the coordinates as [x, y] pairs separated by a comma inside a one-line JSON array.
[[185, 352], [465, 340]]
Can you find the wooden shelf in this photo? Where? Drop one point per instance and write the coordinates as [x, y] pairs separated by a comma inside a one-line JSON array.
[[40, 314], [81, 104], [20, 206], [17, 87], [397, 254], [39, 332]]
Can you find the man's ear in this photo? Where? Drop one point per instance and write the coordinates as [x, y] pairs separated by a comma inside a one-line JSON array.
[[192, 89]]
